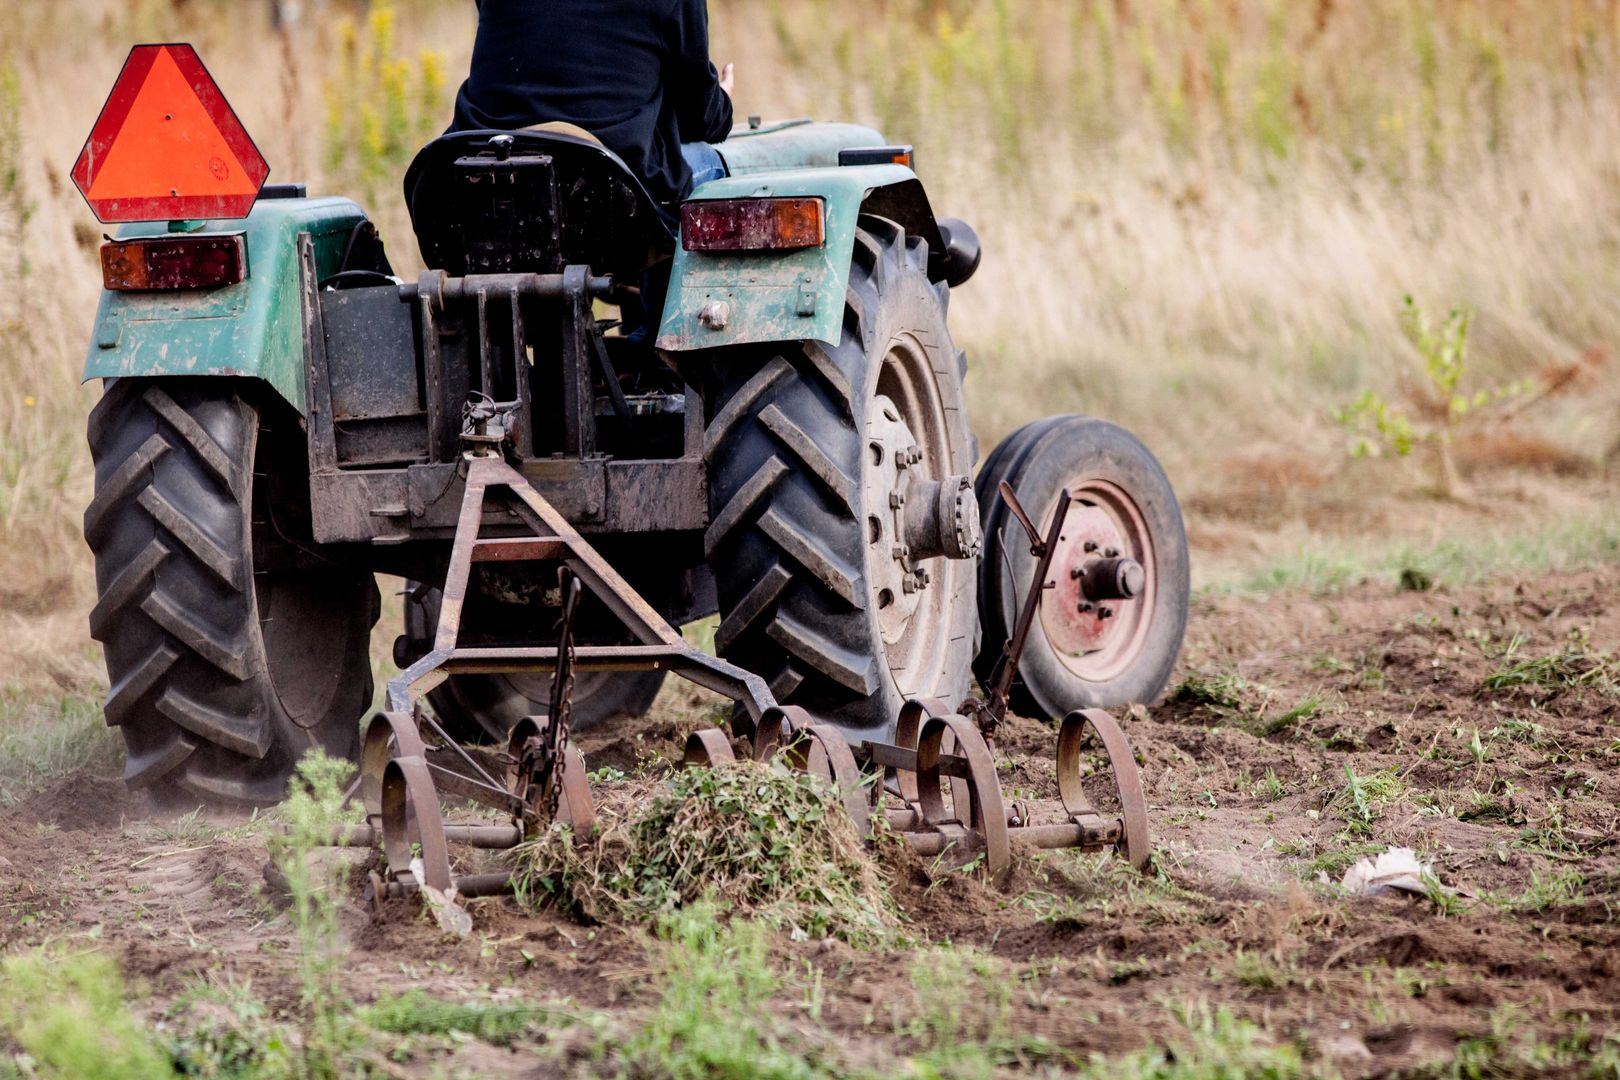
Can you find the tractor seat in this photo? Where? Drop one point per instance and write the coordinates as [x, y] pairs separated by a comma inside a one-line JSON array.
[[533, 201]]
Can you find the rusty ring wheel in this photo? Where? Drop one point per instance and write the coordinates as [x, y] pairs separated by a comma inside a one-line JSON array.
[[574, 806], [906, 732], [987, 816], [1133, 842], [388, 735], [778, 727], [822, 750], [707, 748], [410, 814]]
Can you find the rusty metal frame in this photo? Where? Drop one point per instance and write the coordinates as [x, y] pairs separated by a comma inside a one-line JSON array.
[[660, 646]]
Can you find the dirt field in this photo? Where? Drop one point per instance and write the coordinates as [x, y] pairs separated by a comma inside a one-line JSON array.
[[1478, 726]]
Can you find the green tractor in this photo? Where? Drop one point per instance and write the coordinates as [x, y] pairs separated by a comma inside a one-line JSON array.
[[781, 438]]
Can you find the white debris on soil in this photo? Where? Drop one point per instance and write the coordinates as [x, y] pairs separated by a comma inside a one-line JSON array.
[[451, 916], [1395, 870]]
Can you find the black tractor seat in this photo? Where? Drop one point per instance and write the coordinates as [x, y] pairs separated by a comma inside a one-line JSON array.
[[488, 202]]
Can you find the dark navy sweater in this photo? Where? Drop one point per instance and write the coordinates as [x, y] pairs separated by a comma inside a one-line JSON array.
[[635, 73]]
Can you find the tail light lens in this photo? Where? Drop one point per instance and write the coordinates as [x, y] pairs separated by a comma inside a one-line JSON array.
[[174, 262], [752, 224]]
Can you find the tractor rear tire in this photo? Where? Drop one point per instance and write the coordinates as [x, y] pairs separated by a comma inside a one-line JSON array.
[[799, 544], [223, 674], [484, 708]]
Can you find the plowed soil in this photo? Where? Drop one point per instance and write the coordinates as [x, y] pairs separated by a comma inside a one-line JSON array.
[[1308, 731]]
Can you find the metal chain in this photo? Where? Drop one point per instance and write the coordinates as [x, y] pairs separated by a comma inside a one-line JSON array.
[[554, 756]]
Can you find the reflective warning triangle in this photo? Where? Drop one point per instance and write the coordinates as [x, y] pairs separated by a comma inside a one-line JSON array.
[[167, 145]]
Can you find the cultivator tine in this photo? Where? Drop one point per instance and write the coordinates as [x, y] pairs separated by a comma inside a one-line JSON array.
[[707, 748], [1132, 822]]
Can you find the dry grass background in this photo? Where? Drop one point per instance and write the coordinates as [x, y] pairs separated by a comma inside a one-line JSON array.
[[1200, 217]]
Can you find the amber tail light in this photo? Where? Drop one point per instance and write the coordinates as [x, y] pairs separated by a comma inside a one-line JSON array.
[[752, 224], [174, 262]]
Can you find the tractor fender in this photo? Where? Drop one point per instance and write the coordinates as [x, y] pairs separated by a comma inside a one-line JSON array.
[[738, 298], [254, 329]]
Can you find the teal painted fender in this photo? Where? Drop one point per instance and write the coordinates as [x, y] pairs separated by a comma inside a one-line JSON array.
[[255, 329], [755, 297]]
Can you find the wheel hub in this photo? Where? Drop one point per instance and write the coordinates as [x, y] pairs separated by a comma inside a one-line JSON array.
[[1101, 583], [912, 517]]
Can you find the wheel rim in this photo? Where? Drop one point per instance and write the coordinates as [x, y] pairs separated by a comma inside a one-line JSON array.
[[906, 414], [1100, 643]]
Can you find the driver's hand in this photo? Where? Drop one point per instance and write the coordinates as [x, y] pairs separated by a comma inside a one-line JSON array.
[[728, 79]]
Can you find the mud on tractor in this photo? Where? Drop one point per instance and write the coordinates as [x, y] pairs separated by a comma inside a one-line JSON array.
[[567, 466]]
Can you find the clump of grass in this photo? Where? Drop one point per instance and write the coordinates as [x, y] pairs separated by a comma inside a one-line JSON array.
[[497, 1022], [1222, 691], [1090, 890], [1212, 1042], [709, 1021], [313, 806], [43, 738], [765, 840], [962, 1024], [1365, 797], [67, 1014], [1575, 666], [1557, 889]]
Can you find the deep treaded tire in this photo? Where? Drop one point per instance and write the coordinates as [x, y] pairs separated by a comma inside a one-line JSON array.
[[221, 677], [793, 456]]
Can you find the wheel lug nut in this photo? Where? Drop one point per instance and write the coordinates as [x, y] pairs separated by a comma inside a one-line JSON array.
[[1111, 553], [1075, 572], [896, 500], [1105, 612], [900, 551], [1085, 607], [908, 585], [1090, 546]]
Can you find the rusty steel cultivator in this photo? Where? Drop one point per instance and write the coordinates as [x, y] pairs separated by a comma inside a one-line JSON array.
[[935, 784], [591, 420]]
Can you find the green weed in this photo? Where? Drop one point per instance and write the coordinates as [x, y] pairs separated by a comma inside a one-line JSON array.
[[497, 1022], [768, 841], [313, 806], [1365, 797], [1211, 1042], [1575, 666], [67, 1014], [709, 1022], [963, 1023], [44, 737]]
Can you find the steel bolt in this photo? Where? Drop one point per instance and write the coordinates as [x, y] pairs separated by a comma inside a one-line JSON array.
[[896, 500], [914, 454], [1090, 546], [900, 551], [1105, 612], [1111, 553], [1075, 572], [908, 585], [1085, 607], [924, 578]]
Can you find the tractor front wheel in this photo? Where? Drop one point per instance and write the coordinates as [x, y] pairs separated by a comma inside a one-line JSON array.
[[223, 673], [1101, 649]]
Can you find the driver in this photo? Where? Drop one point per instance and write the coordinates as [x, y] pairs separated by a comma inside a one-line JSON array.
[[635, 74]]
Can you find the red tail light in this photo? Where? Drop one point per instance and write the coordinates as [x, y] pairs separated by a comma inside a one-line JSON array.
[[174, 262], [752, 224]]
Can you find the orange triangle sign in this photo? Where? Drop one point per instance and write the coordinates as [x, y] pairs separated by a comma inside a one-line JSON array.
[[167, 145]]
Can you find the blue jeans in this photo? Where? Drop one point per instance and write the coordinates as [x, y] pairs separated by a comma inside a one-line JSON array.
[[704, 161]]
